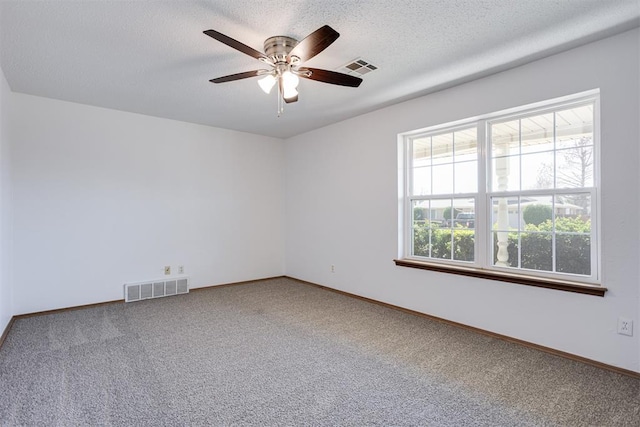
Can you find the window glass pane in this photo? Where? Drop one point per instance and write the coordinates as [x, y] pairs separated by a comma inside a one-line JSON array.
[[466, 177], [505, 213], [575, 167], [440, 211], [421, 149], [442, 149], [441, 235], [573, 238], [463, 245], [421, 181], [505, 173], [420, 211], [573, 253], [505, 138], [537, 171], [505, 249], [574, 126], [505, 216], [421, 228], [573, 212], [536, 251], [443, 179], [537, 133], [441, 243], [464, 230], [466, 145], [465, 212], [537, 213]]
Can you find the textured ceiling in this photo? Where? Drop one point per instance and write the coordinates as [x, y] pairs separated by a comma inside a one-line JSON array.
[[151, 57]]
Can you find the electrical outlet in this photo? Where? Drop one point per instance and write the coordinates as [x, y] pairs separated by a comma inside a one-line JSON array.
[[181, 269], [625, 326], [333, 268], [167, 270]]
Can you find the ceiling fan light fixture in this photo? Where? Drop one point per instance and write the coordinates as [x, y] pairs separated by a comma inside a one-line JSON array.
[[289, 93], [267, 82], [289, 83], [290, 80]]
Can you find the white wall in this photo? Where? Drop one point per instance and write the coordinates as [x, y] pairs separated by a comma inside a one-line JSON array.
[[342, 207], [103, 197], [6, 298]]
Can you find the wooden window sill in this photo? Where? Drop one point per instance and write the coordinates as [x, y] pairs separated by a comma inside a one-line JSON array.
[[561, 285]]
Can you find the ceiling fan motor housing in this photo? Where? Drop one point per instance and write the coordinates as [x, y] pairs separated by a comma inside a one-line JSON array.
[[277, 48]]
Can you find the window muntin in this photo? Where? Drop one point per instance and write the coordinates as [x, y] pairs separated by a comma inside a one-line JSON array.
[[540, 165]]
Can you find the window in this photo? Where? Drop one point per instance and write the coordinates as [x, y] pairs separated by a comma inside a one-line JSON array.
[[512, 192]]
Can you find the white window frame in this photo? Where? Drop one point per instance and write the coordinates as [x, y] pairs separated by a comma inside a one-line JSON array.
[[483, 244]]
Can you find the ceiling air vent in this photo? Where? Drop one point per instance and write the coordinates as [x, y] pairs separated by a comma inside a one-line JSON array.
[[358, 67]]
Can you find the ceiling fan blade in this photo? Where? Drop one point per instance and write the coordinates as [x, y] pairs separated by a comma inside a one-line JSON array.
[[314, 43], [237, 76], [332, 77], [235, 44], [290, 100]]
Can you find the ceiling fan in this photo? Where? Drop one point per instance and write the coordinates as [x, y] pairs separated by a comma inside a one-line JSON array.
[[284, 55]]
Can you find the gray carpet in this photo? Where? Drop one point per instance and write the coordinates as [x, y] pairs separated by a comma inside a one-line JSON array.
[[279, 352]]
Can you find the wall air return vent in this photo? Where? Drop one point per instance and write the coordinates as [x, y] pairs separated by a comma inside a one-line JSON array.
[[357, 67], [155, 289]]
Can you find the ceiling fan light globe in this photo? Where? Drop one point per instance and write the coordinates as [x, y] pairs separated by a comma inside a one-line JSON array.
[[266, 83], [290, 80], [289, 92]]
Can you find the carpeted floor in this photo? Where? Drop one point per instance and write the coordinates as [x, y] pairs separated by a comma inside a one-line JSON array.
[[279, 352]]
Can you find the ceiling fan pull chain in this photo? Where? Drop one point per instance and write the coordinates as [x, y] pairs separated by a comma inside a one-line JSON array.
[[280, 104]]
